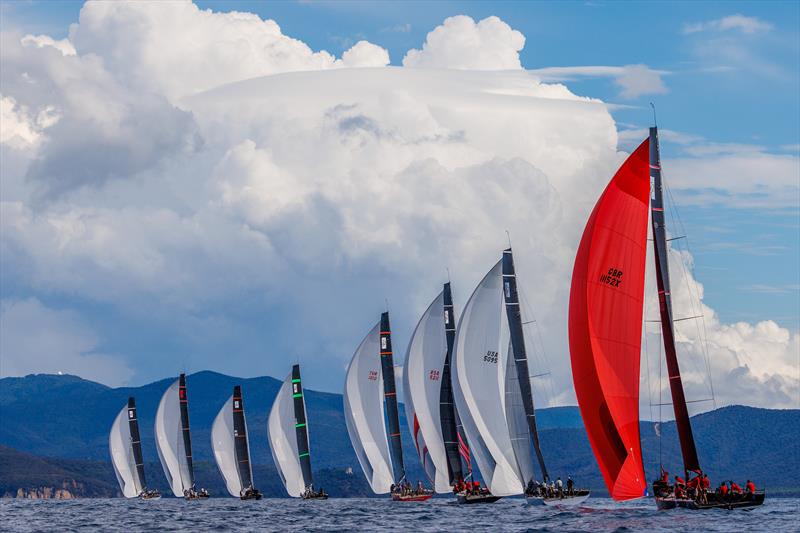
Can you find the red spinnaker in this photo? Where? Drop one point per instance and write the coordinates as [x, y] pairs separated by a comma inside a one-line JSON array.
[[605, 325]]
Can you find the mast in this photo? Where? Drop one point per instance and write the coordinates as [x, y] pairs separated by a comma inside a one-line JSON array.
[[136, 441], [511, 298], [447, 412], [688, 449], [187, 440], [240, 438], [301, 429], [390, 397]]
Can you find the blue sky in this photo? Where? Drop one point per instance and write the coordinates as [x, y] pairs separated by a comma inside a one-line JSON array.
[[723, 75]]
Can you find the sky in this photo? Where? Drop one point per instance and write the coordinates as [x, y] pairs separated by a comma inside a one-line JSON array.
[[241, 185]]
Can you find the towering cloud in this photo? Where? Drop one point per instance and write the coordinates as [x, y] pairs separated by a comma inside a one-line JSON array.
[[204, 186]]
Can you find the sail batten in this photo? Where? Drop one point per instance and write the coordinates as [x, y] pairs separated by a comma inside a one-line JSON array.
[[605, 325]]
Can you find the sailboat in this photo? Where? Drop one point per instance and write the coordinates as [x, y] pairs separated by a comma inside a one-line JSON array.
[[493, 391], [369, 386], [174, 442], [605, 330], [430, 409], [287, 430], [126, 454], [229, 442]]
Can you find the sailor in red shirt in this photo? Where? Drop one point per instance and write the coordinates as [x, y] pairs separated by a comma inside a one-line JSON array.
[[723, 490], [751, 487], [735, 488], [664, 476]]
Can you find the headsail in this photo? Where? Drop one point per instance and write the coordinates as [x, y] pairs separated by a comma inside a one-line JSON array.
[[479, 381], [363, 409], [605, 325], [229, 442], [422, 383], [172, 438], [126, 451], [287, 430]]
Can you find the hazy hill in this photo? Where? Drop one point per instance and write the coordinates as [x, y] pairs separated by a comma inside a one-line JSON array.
[[66, 418]]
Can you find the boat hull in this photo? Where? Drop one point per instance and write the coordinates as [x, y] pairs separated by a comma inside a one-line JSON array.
[[412, 497], [468, 499], [742, 502], [567, 501]]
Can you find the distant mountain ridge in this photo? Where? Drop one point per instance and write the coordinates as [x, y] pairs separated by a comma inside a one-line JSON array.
[[65, 418]]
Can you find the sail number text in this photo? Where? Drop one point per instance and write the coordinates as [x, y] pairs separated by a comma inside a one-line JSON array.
[[613, 277], [490, 357]]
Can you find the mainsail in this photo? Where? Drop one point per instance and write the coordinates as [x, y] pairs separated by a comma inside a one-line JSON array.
[[688, 449], [423, 380], [390, 399], [172, 438], [364, 416], [480, 359], [605, 325], [287, 431], [126, 451], [229, 442]]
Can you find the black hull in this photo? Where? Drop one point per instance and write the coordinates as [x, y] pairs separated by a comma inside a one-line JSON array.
[[256, 496], [325, 497], [464, 499], [742, 502]]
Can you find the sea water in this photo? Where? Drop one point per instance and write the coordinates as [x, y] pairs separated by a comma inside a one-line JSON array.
[[350, 514]]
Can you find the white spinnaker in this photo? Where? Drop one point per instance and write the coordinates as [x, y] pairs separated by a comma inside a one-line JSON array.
[[282, 435], [363, 409], [479, 377], [169, 440], [119, 443], [224, 446], [422, 388]]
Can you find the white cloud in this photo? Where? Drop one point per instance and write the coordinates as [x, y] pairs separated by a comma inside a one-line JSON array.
[[365, 54], [736, 22], [461, 43], [37, 339], [633, 80], [268, 218], [17, 127], [178, 49], [40, 41]]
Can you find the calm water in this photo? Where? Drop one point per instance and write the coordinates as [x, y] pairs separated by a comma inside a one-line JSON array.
[[380, 515]]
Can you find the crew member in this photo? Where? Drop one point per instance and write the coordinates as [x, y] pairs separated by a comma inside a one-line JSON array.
[[570, 485], [750, 487], [735, 488]]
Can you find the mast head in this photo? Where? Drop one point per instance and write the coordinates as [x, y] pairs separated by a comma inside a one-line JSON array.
[[385, 321], [237, 391], [131, 402]]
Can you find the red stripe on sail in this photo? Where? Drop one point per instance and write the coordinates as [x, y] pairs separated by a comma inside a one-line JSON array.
[[605, 324]]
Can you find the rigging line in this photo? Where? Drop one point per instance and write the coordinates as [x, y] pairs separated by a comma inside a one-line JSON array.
[[677, 319], [703, 338], [690, 401]]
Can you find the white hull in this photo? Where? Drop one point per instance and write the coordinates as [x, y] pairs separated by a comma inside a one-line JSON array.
[[569, 501]]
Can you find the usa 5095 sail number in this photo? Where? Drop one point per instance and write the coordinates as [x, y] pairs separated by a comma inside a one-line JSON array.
[[490, 357]]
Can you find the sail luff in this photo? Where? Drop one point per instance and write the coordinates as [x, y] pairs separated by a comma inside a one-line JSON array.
[[301, 427], [447, 408], [390, 399], [136, 442], [240, 439], [187, 439], [688, 448], [511, 298]]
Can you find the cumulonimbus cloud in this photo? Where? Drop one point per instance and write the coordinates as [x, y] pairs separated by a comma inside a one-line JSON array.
[[269, 217]]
